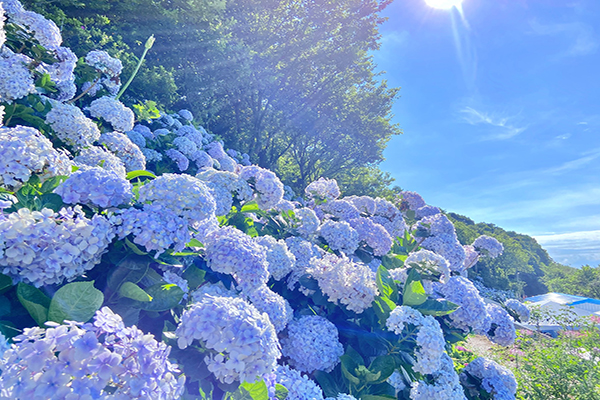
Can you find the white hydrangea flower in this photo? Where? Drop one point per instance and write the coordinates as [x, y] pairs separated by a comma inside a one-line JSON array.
[[309, 222], [96, 156], [274, 305], [185, 195], [339, 236], [430, 261], [341, 280], [324, 188], [446, 384], [268, 187], [16, 80], [281, 261], [225, 185], [25, 151], [113, 111], [71, 126], [103, 62], [44, 247]]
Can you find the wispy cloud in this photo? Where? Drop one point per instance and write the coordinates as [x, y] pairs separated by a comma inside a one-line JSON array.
[[573, 248], [582, 36], [575, 164], [507, 129]]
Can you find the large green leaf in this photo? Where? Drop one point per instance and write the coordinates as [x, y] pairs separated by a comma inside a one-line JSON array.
[[386, 285], [414, 292], [5, 283], [134, 292], [138, 173], [437, 308], [164, 297], [34, 301], [194, 276], [281, 391], [384, 365], [327, 383], [77, 301]]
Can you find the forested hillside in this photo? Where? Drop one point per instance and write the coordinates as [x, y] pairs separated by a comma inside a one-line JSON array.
[[525, 267], [289, 83]]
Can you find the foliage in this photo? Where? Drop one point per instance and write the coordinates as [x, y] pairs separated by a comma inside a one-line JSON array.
[[566, 367]]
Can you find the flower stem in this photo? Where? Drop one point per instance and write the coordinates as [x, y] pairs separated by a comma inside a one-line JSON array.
[[147, 47]]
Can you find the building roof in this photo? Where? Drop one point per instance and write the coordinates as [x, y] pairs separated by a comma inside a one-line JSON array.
[[560, 298]]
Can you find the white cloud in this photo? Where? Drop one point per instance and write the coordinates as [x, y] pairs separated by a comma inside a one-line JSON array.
[[507, 129], [573, 248], [575, 164], [583, 40]]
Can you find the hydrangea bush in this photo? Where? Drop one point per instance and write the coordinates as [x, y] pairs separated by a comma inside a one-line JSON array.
[[142, 259]]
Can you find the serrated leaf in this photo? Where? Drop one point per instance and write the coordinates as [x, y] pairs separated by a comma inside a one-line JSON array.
[[139, 173], [34, 301], [134, 292], [164, 297], [77, 301]]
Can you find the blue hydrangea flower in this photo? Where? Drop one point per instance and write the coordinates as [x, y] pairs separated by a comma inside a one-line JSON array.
[[97, 186]]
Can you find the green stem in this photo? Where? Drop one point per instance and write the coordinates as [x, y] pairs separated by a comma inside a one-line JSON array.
[[147, 47]]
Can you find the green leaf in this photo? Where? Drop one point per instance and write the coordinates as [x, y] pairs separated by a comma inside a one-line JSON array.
[[281, 392], [377, 397], [355, 356], [136, 174], [392, 261], [164, 297], [383, 307], [437, 308], [5, 283], [386, 285], [131, 269], [134, 248], [251, 206], [414, 294], [51, 201], [195, 243], [34, 301], [133, 291], [77, 301], [4, 306], [257, 390], [327, 384], [383, 364], [52, 183], [194, 276]]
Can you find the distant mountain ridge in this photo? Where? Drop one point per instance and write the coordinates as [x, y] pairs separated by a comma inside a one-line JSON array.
[[524, 267]]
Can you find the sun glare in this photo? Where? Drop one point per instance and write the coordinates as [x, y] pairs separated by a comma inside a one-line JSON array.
[[444, 4]]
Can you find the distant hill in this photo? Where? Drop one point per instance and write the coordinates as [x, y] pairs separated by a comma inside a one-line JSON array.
[[524, 267]]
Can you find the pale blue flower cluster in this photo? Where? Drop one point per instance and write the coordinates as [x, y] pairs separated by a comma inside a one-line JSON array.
[[183, 194], [299, 386], [114, 112], [155, 227], [96, 186], [339, 236], [280, 260], [431, 262], [25, 151], [179, 158], [273, 304], [446, 385], [44, 247], [62, 73], [413, 200], [342, 396], [104, 63], [225, 185], [267, 186], [519, 308], [137, 138], [323, 188], [340, 209], [244, 340], [345, 282], [71, 126], [231, 251], [364, 204], [472, 313], [312, 343], [443, 240], [45, 31], [373, 234], [16, 80], [498, 381], [309, 222], [2, 33], [76, 361], [305, 252], [95, 156], [502, 330], [186, 114], [119, 144], [488, 246]]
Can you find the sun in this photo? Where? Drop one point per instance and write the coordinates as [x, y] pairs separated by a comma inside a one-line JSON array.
[[444, 4]]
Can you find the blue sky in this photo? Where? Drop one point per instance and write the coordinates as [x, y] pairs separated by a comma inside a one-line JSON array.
[[500, 110]]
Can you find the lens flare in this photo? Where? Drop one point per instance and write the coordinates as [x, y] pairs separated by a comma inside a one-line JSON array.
[[444, 4]]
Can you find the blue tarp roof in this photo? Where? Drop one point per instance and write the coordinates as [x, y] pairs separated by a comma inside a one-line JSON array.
[[586, 301], [560, 298]]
